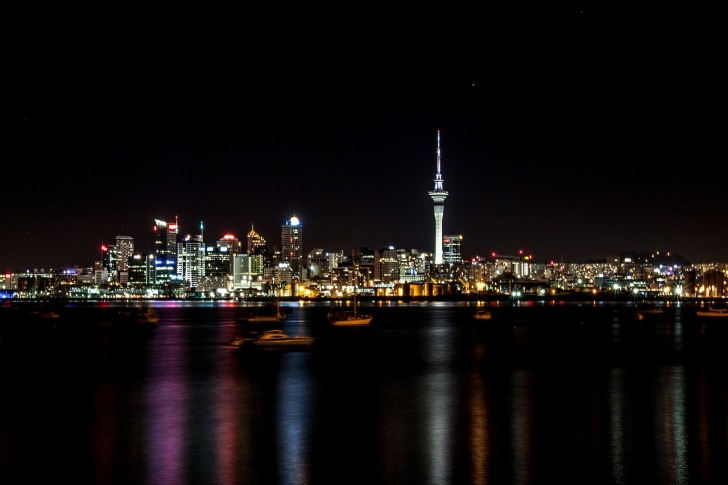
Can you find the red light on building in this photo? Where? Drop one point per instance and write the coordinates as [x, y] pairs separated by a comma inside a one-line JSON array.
[[104, 248], [229, 237]]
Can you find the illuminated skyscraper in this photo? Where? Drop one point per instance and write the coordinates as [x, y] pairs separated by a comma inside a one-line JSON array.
[[124, 251], [451, 249], [292, 246], [165, 251], [438, 197], [255, 240], [191, 259]]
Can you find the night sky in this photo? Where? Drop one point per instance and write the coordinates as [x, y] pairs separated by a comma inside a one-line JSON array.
[[571, 135]]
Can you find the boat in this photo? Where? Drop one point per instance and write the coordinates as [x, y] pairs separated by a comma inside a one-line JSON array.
[[279, 339], [345, 318], [272, 339], [263, 318], [713, 312], [48, 314], [349, 318], [277, 316], [650, 313], [147, 316], [483, 315], [239, 341]]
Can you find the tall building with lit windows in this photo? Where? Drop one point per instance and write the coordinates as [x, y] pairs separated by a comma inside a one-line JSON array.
[[439, 194], [292, 247], [124, 252], [165, 251], [451, 249], [255, 240], [191, 260]]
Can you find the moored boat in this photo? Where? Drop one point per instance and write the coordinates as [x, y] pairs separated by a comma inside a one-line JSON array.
[[347, 318], [711, 312], [264, 316], [147, 316], [279, 339], [483, 315], [272, 339]]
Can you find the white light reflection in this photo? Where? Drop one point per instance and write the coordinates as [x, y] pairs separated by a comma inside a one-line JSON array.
[[479, 432], [616, 424], [672, 424], [522, 426], [438, 397], [294, 408], [166, 395]]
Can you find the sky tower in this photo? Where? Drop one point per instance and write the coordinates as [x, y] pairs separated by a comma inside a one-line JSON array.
[[438, 197]]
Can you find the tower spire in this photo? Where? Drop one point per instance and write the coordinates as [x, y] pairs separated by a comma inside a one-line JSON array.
[[439, 194]]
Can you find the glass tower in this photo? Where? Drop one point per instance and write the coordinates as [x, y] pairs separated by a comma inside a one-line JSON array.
[[292, 246]]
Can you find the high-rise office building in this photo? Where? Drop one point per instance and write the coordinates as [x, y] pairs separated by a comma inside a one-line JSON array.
[[255, 240], [124, 251], [292, 247], [165, 251], [386, 265], [107, 265], [439, 194], [451, 249], [219, 258], [191, 260]]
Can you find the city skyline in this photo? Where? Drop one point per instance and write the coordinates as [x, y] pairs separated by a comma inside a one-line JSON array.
[[572, 138]]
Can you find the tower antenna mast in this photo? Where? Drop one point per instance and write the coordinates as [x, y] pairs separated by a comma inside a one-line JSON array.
[[439, 194]]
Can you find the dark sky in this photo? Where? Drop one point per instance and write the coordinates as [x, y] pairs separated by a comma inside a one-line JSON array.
[[571, 134]]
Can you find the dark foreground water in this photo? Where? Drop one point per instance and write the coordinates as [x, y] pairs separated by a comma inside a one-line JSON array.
[[543, 393]]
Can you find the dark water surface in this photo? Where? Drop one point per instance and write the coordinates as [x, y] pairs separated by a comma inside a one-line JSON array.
[[543, 393]]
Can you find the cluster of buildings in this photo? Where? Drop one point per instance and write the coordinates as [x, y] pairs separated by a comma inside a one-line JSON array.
[[242, 268], [233, 268]]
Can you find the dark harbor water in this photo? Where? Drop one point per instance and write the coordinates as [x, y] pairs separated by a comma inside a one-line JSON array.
[[543, 393]]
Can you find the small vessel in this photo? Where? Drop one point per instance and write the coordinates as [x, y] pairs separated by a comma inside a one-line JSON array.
[[650, 313], [48, 314], [147, 316], [343, 318], [263, 318], [239, 341], [272, 339], [277, 316], [713, 312], [483, 315], [279, 339]]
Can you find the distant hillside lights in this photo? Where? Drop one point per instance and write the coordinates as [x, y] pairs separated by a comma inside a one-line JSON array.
[[387, 272]]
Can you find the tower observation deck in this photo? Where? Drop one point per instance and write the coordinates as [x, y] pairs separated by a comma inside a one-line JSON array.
[[439, 194]]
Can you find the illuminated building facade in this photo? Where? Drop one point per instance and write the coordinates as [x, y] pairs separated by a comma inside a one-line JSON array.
[[124, 251], [219, 258], [255, 241], [386, 265], [292, 247], [141, 269], [191, 260], [165, 251], [108, 264], [439, 194], [451, 249]]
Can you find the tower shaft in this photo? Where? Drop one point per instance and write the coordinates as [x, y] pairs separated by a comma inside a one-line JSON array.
[[438, 195]]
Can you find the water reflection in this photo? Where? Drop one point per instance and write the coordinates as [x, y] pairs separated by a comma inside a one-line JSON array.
[[424, 396]]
